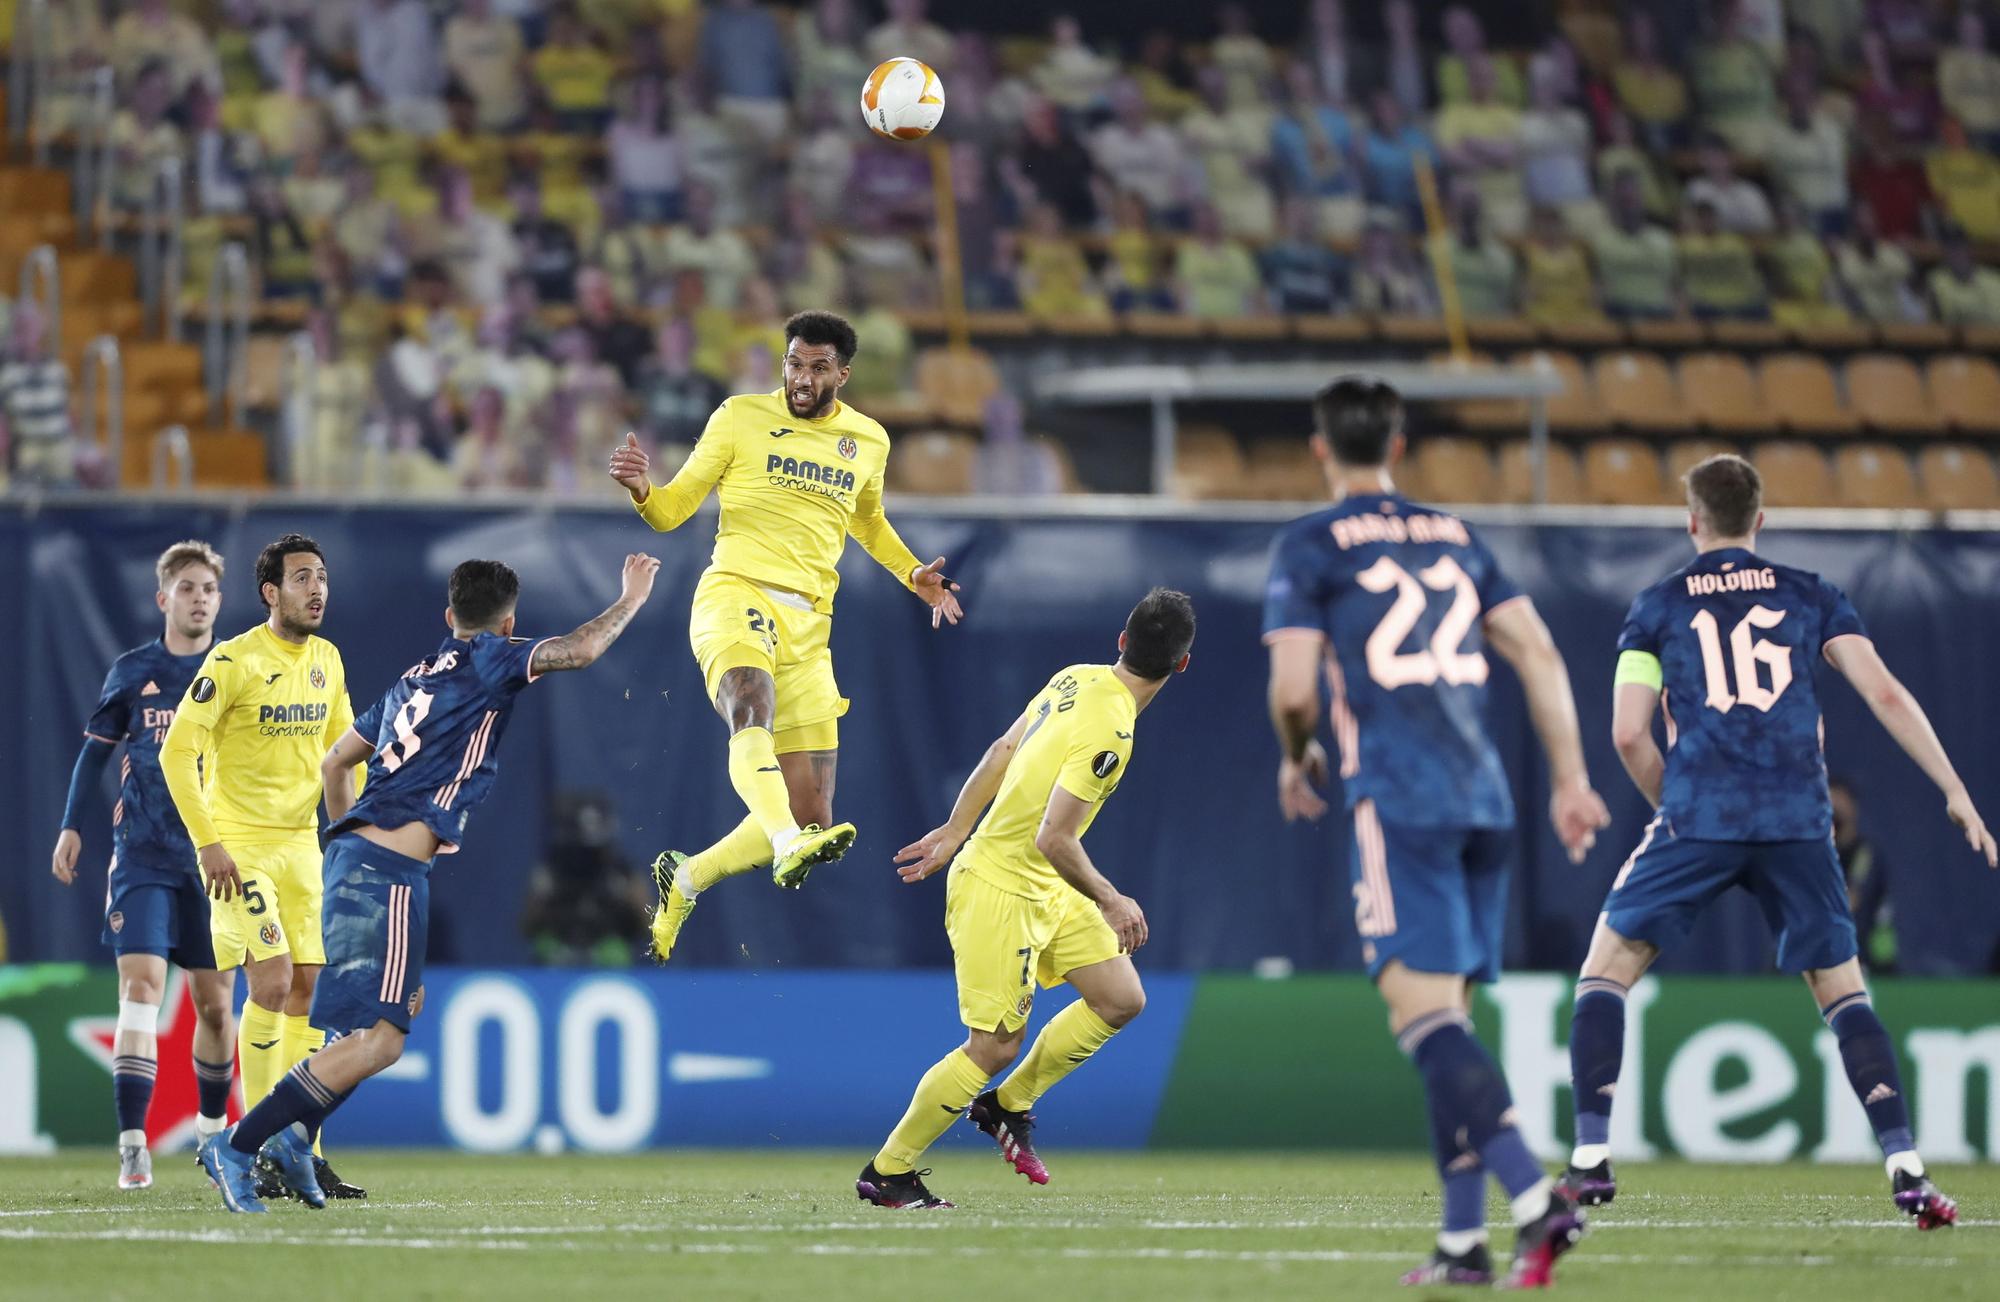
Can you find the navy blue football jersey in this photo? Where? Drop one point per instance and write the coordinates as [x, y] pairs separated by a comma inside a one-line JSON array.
[[1399, 593], [437, 735], [140, 693], [1736, 637]]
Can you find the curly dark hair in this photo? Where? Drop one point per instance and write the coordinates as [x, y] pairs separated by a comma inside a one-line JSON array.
[[828, 328]]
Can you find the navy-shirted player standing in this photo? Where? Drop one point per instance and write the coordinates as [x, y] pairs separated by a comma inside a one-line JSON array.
[[431, 744], [1725, 648], [1392, 601], [154, 910]]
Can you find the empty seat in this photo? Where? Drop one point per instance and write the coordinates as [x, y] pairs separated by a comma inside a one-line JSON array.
[[1875, 475], [1683, 455], [1509, 414], [957, 382], [1621, 472], [1966, 392], [1638, 390], [162, 366], [1207, 463], [1801, 394], [1451, 470], [1721, 392], [1516, 479], [1795, 474], [935, 463], [1958, 478], [1888, 394], [1576, 407], [1284, 470]]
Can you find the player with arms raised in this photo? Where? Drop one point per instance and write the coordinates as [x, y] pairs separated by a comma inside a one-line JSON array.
[[1391, 600], [1725, 649], [155, 911], [431, 745], [1024, 903], [798, 472], [242, 762]]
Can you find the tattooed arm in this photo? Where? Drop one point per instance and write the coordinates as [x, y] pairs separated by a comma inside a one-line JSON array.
[[580, 649]]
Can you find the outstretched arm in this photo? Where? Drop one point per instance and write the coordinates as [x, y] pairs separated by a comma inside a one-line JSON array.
[[669, 506], [1517, 632], [870, 527], [934, 849], [580, 649], [1856, 657]]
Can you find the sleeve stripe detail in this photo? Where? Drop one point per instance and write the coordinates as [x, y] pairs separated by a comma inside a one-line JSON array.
[[1640, 669], [109, 741], [1519, 596], [1292, 632], [532, 675]]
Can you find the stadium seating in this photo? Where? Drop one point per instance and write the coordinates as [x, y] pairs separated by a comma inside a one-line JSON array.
[[1208, 462], [1875, 475], [1889, 396], [1721, 393], [1516, 474], [938, 463], [1446, 469], [1966, 391], [1801, 391], [1622, 472], [1795, 474], [1958, 478]]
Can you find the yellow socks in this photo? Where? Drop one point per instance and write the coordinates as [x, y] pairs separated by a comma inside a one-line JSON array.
[[302, 1040], [260, 1047], [946, 1090], [745, 848], [754, 772], [1070, 1037]]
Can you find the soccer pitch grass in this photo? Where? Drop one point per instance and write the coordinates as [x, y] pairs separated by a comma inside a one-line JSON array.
[[712, 1225]]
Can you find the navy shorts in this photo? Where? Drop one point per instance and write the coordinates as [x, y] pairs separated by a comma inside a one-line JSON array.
[[153, 917], [1431, 898], [375, 919], [1798, 885]]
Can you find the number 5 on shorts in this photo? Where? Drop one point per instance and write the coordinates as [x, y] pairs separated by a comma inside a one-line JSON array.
[[253, 899]]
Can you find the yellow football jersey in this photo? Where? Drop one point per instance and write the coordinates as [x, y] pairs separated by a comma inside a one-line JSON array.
[[792, 491], [261, 714], [1079, 737]]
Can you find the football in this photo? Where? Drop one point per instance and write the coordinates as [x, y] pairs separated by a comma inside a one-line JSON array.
[[902, 99]]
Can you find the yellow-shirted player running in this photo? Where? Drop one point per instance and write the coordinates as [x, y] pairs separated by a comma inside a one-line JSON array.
[[242, 762], [798, 472], [1024, 904]]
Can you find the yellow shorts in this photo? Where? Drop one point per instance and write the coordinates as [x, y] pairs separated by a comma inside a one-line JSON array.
[[277, 912], [736, 624], [1002, 943]]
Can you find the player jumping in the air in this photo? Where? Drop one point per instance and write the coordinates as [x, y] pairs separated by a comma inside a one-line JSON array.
[[155, 911], [1725, 648], [797, 471], [1024, 904], [242, 761], [1391, 601], [431, 745]]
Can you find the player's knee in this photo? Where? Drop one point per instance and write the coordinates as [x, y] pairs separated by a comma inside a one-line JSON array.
[[385, 1047], [211, 1009], [139, 990], [271, 985], [1120, 1009], [991, 1051]]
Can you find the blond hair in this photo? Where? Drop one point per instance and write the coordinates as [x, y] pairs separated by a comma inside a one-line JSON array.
[[183, 554]]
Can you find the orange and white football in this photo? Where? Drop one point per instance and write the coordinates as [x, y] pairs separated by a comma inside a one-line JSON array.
[[902, 99]]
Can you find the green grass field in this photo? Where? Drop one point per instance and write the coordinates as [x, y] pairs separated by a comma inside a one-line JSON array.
[[1154, 1226]]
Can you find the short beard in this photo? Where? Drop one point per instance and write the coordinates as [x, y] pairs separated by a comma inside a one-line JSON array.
[[819, 409], [296, 625]]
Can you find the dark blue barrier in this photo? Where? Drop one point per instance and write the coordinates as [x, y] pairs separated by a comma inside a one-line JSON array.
[[1193, 834]]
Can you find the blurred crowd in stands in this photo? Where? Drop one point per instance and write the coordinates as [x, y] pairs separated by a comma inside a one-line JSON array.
[[513, 227]]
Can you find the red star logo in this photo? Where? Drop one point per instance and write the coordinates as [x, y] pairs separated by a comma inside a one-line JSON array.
[[176, 1102]]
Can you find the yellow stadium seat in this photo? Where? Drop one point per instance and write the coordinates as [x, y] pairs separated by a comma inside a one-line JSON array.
[[1966, 391], [1621, 472], [936, 463], [1958, 478], [1284, 470], [1800, 392], [1517, 482], [1442, 469], [957, 382], [1207, 463], [1683, 455], [1795, 474], [1576, 407], [1721, 392], [1875, 475], [1888, 394], [1638, 391]]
